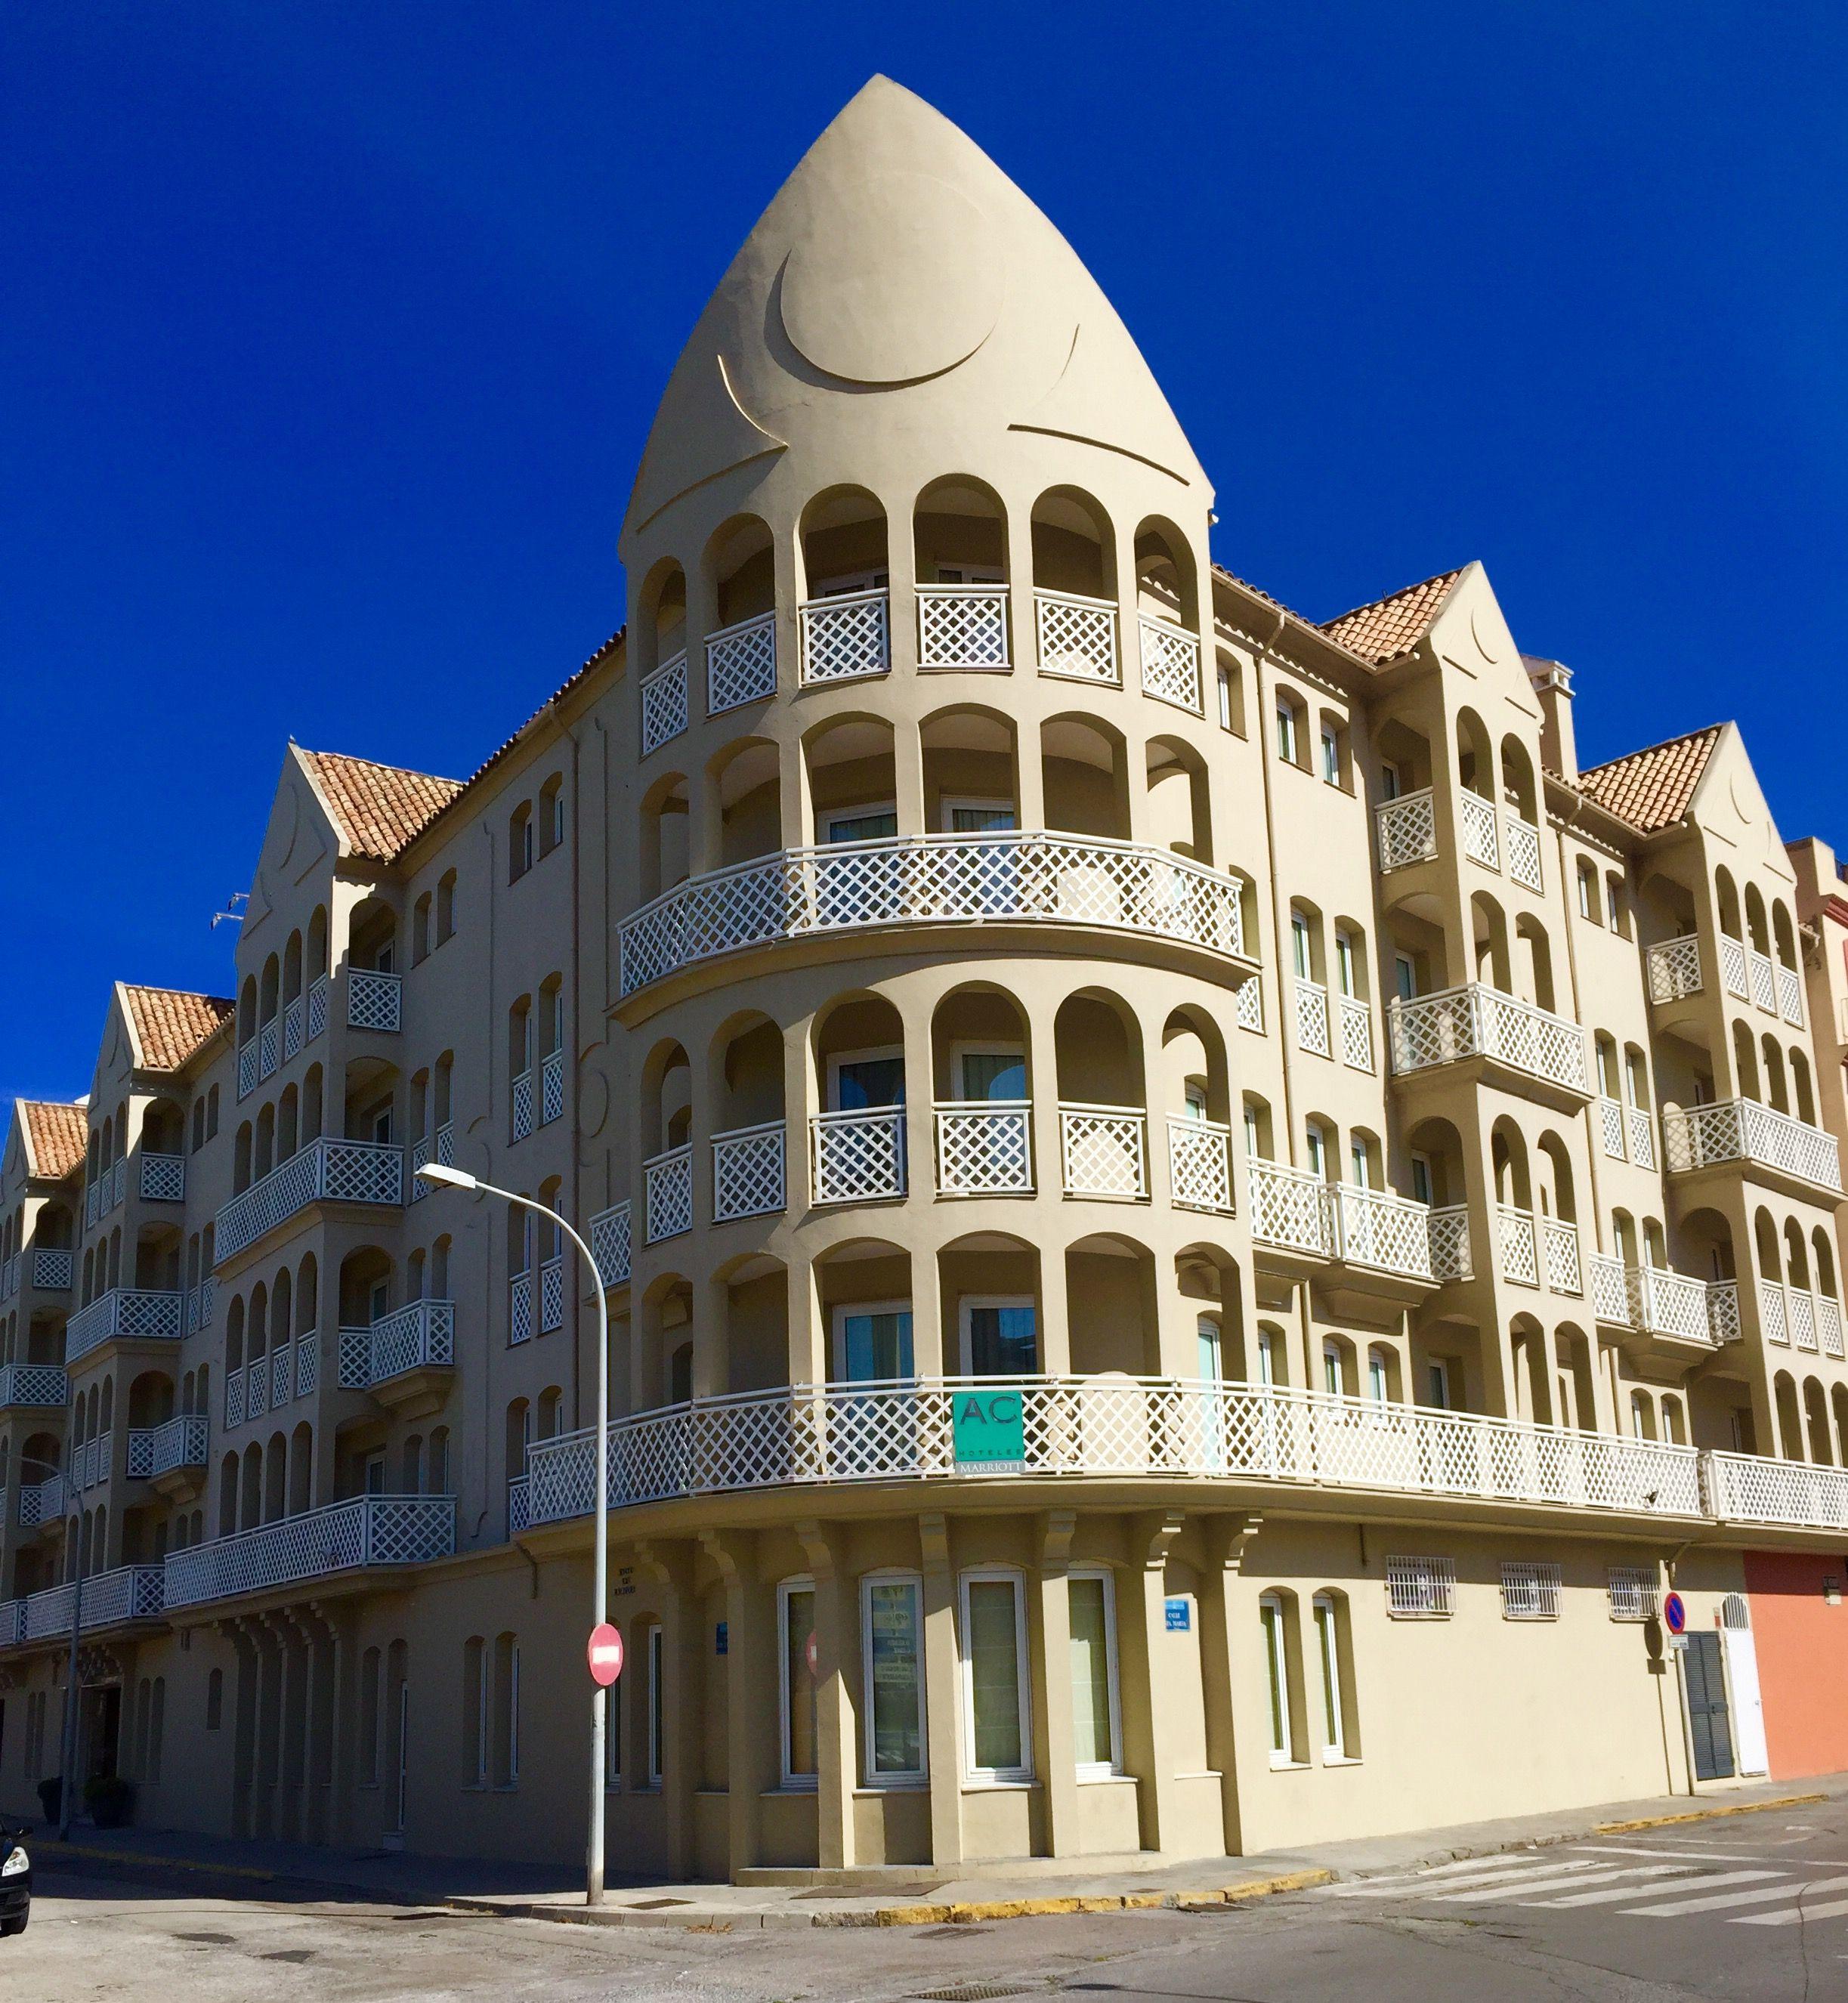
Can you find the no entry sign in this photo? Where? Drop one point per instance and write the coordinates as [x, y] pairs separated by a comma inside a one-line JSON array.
[[605, 1655]]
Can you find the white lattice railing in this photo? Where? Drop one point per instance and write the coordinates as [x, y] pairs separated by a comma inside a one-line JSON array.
[[128, 1314], [984, 1148], [1475, 816], [519, 1307], [1311, 1017], [419, 1336], [741, 663], [294, 1023], [664, 703], [1110, 1427], [89, 1462], [325, 1171], [1288, 1208], [1610, 1295], [551, 1087], [246, 1068], [1356, 1032], [162, 1178], [41, 1502], [610, 1243], [317, 1007], [1407, 828], [1478, 1021], [1200, 1164], [1751, 1488], [1520, 1242], [439, 1146], [1248, 1006], [1642, 1136], [1673, 968], [344, 1537], [1733, 976], [1378, 1229], [1788, 1315], [1741, 1130], [1610, 1127], [1723, 1311], [748, 1176], [1171, 663], [1077, 637], [1664, 1303], [1764, 981], [521, 1105], [1103, 1150], [1451, 1258], [269, 1048], [859, 1156], [1789, 995], [846, 636], [157, 1450], [45, 1387], [1559, 1251], [963, 625], [1003, 877], [667, 1193], [1523, 840], [110, 1599], [551, 1294], [374, 1000], [520, 1519]]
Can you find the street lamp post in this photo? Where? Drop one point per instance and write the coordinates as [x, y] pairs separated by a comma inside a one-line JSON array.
[[438, 1172]]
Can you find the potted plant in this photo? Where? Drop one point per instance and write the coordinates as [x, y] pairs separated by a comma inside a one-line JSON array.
[[51, 1796], [110, 1799]]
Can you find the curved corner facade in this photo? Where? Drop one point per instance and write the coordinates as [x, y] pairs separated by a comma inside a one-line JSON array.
[[1171, 1182]]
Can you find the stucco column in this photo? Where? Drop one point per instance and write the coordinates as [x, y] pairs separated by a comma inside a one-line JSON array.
[[1055, 1312], [943, 1701], [1049, 1640], [711, 1360], [836, 1655], [808, 1326], [753, 1757], [1227, 1539], [933, 1353], [1148, 1740], [669, 1564]]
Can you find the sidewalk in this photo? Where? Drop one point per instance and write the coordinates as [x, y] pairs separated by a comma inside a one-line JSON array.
[[883, 1897]]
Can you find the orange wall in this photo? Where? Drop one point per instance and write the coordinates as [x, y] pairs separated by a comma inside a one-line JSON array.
[[1802, 1660]]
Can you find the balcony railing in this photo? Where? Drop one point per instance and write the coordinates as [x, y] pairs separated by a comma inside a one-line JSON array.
[[110, 1599], [1200, 1164], [1478, 1021], [292, 1025], [984, 1148], [551, 1087], [1356, 1032], [128, 1314], [324, 1171], [1006, 876], [162, 1178], [1742, 1130], [520, 1111], [519, 1306], [106, 1189], [846, 636], [1674, 969], [1523, 841], [269, 1382], [1301, 1212], [367, 1530], [749, 1176], [1789, 1314], [610, 1243], [1733, 975], [1789, 995], [1311, 1017], [1475, 816], [441, 1147], [667, 1189], [1764, 980], [1519, 1241], [1407, 827], [1112, 1427], [419, 1336], [1104, 1150], [741, 663], [1171, 664], [1077, 637], [963, 625], [373, 999], [90, 1461], [317, 1006], [859, 1156], [157, 1450], [41, 1386], [1750, 1488], [664, 703], [518, 1519]]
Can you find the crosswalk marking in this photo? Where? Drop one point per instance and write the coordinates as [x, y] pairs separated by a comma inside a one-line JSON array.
[[1516, 1894], [1830, 1908], [1786, 1887], [1608, 1895], [1477, 1872]]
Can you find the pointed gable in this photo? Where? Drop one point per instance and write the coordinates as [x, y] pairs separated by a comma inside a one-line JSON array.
[[56, 1136], [171, 1025], [1653, 788], [379, 810], [1389, 626]]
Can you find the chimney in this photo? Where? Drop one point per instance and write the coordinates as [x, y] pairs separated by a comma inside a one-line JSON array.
[[1552, 684]]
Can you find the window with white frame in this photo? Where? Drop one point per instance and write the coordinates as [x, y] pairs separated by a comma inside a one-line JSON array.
[[891, 1668], [1420, 1589], [1334, 1655], [1331, 1369], [1281, 1666], [1529, 1592], [999, 1336], [1288, 732], [1379, 1376], [1632, 1590], [1096, 1729], [1587, 891], [795, 1630], [995, 1698], [1331, 755], [1267, 1346], [657, 1708]]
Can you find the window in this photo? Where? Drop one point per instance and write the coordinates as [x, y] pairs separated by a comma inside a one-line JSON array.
[[1301, 953], [875, 823], [1360, 1163], [445, 908], [372, 1473], [1334, 1656], [1405, 976], [1529, 1592], [795, 1625], [1287, 735], [551, 814], [420, 929], [1632, 1590], [1315, 1148], [214, 1700], [1379, 1376], [1228, 705], [971, 817], [1613, 903], [1587, 891], [1420, 1589], [1331, 1369], [656, 1708], [475, 1712], [859, 1080], [1436, 1384], [994, 1681], [1278, 1665], [891, 1659], [1422, 1182], [1331, 755], [996, 1073], [1000, 1338], [872, 1342], [1096, 1733], [1267, 1357], [506, 1711], [1346, 961], [519, 842]]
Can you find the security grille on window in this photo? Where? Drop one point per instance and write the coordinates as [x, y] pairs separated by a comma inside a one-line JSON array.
[[1632, 1592], [1530, 1592], [1420, 1589]]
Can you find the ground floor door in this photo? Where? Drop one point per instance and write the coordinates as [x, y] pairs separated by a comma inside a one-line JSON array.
[[1709, 1727], [101, 1719], [1748, 1704]]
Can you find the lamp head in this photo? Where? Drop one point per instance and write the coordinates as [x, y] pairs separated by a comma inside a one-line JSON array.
[[440, 1171]]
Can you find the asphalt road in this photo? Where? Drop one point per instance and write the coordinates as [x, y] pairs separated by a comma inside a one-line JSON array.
[[1754, 1910]]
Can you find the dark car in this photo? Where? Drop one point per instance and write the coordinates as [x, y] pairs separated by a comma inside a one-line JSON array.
[[15, 1880]]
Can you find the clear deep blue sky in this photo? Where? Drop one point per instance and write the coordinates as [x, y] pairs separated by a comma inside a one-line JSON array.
[[330, 333]]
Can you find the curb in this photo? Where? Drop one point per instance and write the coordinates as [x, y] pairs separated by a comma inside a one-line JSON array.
[[1707, 1814]]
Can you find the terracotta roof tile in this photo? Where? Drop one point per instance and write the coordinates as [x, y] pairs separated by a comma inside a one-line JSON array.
[[171, 1025], [380, 809], [1651, 788], [1389, 626], [57, 1135]]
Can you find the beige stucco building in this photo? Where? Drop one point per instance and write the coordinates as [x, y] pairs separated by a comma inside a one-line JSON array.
[[1198, 1224]]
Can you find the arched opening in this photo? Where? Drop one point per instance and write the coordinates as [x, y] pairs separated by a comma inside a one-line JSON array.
[[988, 1286], [664, 852], [845, 577], [981, 1082], [863, 1293], [1519, 789], [960, 542], [853, 791], [858, 1151], [1103, 1100], [1180, 811], [745, 785], [1489, 947], [740, 568], [1084, 778], [746, 1091], [971, 783], [1534, 982], [1112, 1312]]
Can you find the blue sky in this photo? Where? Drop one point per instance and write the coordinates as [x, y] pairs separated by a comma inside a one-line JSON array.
[[332, 334]]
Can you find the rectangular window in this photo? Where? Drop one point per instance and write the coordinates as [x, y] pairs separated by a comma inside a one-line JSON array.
[[1420, 1589], [1315, 1150], [891, 1656], [864, 824], [1331, 758], [859, 1079], [795, 1611], [612, 1736], [1405, 976], [994, 1682], [1344, 962], [1095, 1732], [1631, 1589], [1421, 1178], [1001, 1338], [1225, 698], [1277, 1672], [1437, 1385], [1267, 1359], [657, 1705], [1613, 903], [872, 1342], [1301, 957], [1331, 1654], [1587, 894], [1286, 732], [1530, 1592]]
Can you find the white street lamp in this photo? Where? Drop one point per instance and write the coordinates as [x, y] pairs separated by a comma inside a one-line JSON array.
[[439, 1171]]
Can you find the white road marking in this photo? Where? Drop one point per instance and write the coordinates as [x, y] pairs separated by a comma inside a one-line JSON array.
[[1610, 1895], [1766, 1895], [1830, 1908], [1515, 1894], [1413, 1884]]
